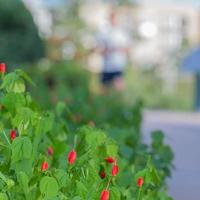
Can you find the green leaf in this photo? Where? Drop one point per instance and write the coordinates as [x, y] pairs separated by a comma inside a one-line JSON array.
[[10, 183], [45, 123], [13, 83], [21, 149], [8, 81], [154, 176], [157, 137], [3, 196], [48, 121], [22, 119], [126, 179], [112, 149], [94, 137], [24, 165], [60, 108], [114, 194], [25, 76], [81, 190], [77, 198], [23, 181], [18, 86], [13, 101], [49, 187], [61, 177]]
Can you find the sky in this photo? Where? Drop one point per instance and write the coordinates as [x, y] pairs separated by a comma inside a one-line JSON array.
[[54, 3], [190, 2]]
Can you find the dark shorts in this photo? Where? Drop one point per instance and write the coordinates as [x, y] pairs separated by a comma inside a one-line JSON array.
[[108, 77]]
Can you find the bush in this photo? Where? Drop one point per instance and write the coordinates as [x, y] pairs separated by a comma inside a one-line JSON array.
[[122, 122], [66, 82], [19, 37], [29, 170]]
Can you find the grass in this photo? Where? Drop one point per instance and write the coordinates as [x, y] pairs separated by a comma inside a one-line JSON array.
[[150, 88]]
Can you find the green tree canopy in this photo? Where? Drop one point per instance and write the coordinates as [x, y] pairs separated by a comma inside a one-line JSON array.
[[19, 38]]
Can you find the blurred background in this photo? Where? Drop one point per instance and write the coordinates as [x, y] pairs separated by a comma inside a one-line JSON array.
[[162, 33], [52, 41]]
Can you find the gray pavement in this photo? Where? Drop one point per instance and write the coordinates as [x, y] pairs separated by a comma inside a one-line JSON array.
[[182, 132]]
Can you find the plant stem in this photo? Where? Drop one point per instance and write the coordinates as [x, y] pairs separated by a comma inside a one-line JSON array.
[[108, 183], [98, 186], [83, 172], [4, 146], [6, 137], [75, 141], [139, 194]]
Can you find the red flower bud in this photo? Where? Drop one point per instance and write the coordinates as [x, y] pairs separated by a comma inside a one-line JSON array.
[[104, 195], [140, 182], [13, 134], [50, 151], [72, 157], [115, 170], [110, 160], [2, 68], [44, 166], [102, 174]]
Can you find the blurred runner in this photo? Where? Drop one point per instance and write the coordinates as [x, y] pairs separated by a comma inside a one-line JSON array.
[[113, 43]]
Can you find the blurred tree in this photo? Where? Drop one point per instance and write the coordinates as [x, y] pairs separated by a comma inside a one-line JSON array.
[[19, 38]]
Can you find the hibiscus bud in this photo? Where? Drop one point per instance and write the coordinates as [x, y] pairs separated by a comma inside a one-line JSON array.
[[2, 68], [140, 182], [110, 160], [13, 134], [115, 170], [50, 151], [102, 174], [104, 195], [44, 166], [72, 157]]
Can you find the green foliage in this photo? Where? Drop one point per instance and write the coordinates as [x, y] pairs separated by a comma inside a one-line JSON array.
[[49, 187], [20, 161], [19, 38]]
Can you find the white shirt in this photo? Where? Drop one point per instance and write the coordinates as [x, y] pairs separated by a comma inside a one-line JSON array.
[[113, 40]]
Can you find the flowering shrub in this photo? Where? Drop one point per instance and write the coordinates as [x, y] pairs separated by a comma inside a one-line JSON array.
[[45, 155]]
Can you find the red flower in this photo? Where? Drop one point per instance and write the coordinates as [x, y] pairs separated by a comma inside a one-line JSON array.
[[2, 68], [110, 160], [102, 174], [115, 170], [72, 157], [13, 134], [50, 151], [140, 182], [44, 166], [104, 195]]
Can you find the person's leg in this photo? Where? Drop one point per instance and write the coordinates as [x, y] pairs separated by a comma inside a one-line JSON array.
[[118, 82], [106, 79]]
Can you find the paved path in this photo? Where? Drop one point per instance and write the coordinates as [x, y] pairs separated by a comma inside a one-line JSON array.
[[182, 132]]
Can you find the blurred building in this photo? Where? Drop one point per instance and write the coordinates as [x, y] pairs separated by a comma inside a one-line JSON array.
[[158, 30], [165, 30], [161, 33]]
